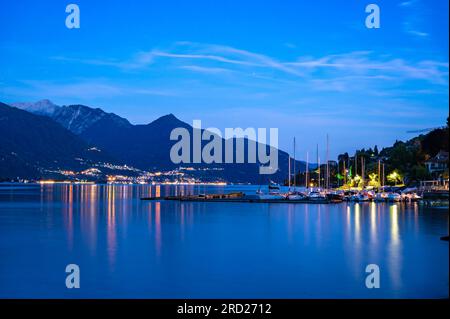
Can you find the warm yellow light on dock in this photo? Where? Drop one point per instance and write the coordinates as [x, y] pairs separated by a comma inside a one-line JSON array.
[[47, 182]]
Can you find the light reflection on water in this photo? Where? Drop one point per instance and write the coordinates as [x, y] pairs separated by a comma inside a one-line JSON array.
[[394, 247], [131, 248]]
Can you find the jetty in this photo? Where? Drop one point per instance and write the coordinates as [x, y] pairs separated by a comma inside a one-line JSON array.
[[235, 198]]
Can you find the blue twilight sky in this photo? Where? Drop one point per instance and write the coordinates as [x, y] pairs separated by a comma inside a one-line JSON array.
[[307, 67]]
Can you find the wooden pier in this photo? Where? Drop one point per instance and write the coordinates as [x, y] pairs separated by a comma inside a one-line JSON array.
[[234, 198]]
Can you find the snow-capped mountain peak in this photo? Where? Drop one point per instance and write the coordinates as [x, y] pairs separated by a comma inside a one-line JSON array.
[[42, 107]]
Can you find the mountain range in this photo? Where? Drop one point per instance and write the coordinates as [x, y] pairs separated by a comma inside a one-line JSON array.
[[34, 145], [67, 132]]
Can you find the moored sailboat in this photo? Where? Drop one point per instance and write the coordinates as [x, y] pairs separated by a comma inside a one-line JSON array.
[[273, 185], [316, 196], [297, 196], [394, 197]]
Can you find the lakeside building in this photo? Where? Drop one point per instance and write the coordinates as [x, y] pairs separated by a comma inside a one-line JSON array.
[[438, 164]]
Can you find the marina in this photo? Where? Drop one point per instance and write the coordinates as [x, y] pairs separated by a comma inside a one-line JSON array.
[[251, 199], [313, 196], [319, 186]]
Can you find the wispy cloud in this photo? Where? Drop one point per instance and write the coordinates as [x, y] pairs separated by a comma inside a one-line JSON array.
[[367, 66], [205, 70], [221, 59], [188, 51], [414, 11], [407, 3], [408, 27], [83, 89], [211, 57]]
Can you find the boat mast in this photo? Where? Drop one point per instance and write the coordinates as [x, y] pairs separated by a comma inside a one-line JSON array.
[[289, 171], [318, 163], [362, 171], [294, 164], [379, 175], [318, 166], [307, 169], [328, 167]]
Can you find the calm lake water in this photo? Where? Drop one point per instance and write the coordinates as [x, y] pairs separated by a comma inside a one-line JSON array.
[[128, 248]]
